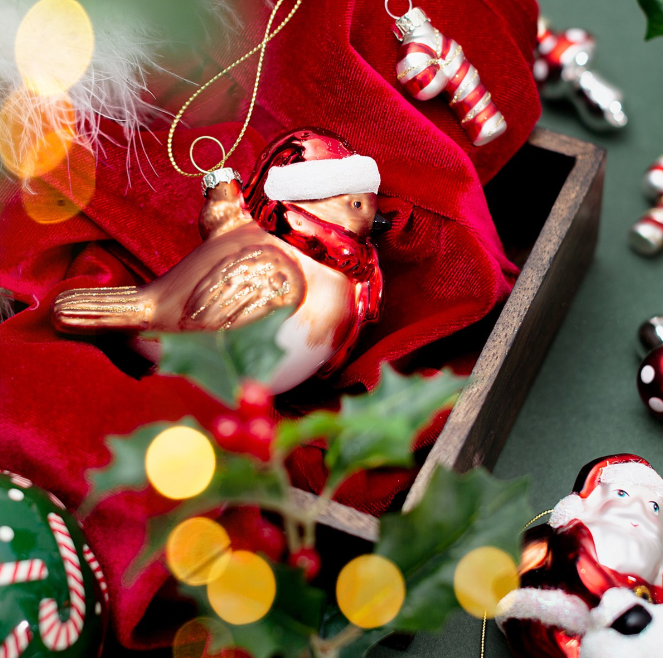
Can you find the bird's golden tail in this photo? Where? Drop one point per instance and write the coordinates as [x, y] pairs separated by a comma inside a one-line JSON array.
[[86, 310]]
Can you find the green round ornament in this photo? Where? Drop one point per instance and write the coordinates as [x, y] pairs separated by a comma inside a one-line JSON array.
[[53, 595]]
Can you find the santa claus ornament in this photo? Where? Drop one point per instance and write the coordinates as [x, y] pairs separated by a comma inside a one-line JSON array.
[[430, 63], [300, 234], [606, 534], [53, 595]]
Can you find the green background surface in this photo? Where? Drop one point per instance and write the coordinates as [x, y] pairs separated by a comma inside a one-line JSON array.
[[584, 402]]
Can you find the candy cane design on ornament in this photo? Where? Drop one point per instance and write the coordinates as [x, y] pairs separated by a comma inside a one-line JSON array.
[[430, 63], [56, 634], [96, 570], [17, 641], [11, 573]]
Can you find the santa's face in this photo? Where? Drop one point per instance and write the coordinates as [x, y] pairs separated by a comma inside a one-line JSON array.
[[625, 523]]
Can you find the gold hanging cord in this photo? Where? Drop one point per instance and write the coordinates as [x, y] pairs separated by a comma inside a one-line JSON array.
[[483, 629], [260, 47]]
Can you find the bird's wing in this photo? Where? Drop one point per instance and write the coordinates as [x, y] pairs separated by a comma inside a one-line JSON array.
[[243, 288]]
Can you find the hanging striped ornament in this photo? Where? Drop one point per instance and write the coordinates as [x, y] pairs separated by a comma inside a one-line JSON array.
[[430, 63]]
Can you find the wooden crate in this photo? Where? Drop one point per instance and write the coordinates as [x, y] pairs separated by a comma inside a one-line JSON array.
[[546, 204]]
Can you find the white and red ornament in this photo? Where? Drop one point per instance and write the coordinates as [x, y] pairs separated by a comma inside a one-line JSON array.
[[430, 63], [646, 235], [561, 69]]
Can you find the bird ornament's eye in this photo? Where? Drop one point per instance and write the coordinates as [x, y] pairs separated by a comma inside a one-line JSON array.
[[357, 204]]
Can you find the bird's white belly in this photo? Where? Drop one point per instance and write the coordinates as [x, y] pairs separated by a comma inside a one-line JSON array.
[[308, 337]]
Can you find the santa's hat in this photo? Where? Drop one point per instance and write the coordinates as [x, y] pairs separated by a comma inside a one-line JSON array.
[[623, 469], [305, 165]]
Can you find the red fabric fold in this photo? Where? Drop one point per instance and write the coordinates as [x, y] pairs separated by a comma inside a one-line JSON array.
[[332, 66]]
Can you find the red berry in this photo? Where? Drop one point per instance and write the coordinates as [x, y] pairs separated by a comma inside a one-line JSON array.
[[271, 541], [260, 434], [308, 560], [255, 399], [228, 433]]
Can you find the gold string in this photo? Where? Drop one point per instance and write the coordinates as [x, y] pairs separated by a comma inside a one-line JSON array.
[[485, 613], [260, 47]]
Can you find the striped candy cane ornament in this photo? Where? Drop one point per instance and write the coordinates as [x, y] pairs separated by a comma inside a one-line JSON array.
[[429, 63], [56, 634]]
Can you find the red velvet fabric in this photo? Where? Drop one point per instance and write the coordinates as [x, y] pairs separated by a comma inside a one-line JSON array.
[[332, 66]]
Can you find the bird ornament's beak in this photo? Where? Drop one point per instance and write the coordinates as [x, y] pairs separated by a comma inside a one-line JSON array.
[[380, 225]]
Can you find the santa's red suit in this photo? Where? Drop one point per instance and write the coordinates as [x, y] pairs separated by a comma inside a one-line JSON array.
[[565, 570]]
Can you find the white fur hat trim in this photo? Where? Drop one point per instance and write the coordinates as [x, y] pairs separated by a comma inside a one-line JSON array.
[[569, 508], [632, 473], [552, 607], [321, 179]]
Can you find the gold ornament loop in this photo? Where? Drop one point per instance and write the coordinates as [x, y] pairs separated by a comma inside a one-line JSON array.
[[216, 141], [386, 6], [261, 47]]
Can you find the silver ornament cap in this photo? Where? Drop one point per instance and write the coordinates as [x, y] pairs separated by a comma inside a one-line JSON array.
[[410, 21], [225, 175]]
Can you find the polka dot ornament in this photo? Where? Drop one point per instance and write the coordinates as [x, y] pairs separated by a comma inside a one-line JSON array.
[[53, 594]]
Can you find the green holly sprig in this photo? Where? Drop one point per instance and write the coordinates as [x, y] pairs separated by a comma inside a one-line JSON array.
[[457, 514]]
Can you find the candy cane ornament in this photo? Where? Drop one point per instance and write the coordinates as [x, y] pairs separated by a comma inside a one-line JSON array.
[[56, 634], [430, 63]]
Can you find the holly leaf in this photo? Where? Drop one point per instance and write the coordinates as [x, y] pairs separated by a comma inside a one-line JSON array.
[[238, 480], [286, 630], [654, 11], [126, 470], [218, 361], [375, 429], [457, 514]]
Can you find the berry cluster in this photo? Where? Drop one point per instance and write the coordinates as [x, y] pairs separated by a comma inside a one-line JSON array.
[[251, 430]]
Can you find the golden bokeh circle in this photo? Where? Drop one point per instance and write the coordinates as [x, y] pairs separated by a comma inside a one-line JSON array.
[[483, 578], [370, 591], [69, 189], [35, 135], [54, 46], [245, 591], [198, 551], [180, 462], [202, 637]]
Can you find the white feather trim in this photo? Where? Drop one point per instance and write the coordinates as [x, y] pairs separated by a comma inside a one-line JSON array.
[[568, 509], [632, 473], [551, 607], [321, 179], [113, 86]]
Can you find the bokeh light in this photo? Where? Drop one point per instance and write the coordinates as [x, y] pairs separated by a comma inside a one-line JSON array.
[[482, 578], [35, 135], [370, 591], [245, 591], [198, 551], [54, 46], [202, 638], [69, 189], [180, 462]]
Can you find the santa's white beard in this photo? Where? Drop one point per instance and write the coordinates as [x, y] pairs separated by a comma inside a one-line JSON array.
[[633, 551]]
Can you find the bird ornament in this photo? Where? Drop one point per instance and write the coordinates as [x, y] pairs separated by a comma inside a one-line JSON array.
[[299, 234]]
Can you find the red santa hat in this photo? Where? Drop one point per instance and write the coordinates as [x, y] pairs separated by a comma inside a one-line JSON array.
[[622, 469]]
